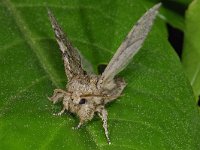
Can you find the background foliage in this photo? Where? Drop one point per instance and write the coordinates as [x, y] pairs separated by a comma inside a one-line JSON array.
[[157, 111], [191, 53]]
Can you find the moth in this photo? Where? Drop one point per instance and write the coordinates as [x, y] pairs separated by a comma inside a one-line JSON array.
[[85, 94]]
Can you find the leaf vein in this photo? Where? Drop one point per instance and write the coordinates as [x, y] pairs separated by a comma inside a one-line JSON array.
[[28, 38]]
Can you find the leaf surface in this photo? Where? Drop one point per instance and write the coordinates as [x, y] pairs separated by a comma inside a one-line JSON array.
[[157, 110]]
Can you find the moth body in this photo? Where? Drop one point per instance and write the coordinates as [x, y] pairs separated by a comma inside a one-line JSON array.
[[84, 98], [83, 93]]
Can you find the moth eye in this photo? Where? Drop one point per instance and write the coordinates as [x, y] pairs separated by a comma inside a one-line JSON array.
[[82, 101]]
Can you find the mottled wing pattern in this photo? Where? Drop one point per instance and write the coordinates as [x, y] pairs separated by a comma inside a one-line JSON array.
[[130, 45], [72, 60]]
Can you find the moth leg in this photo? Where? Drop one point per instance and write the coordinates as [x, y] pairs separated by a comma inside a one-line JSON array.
[[78, 126], [103, 114], [61, 112], [57, 94], [65, 106]]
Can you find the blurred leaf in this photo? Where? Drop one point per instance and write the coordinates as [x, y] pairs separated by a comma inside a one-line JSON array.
[[173, 19], [173, 12], [157, 110], [191, 53]]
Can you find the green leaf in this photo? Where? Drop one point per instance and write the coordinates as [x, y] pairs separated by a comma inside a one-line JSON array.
[[157, 110], [173, 12], [191, 53]]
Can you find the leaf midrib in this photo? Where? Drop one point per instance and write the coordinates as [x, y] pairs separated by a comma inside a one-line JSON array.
[[195, 75], [23, 27]]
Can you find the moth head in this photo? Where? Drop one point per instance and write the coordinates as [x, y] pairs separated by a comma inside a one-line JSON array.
[[82, 101], [92, 99], [78, 100], [87, 100]]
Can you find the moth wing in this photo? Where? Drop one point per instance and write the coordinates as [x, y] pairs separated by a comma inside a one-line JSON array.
[[130, 45], [71, 57]]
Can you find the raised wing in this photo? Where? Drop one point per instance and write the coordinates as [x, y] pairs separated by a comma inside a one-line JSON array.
[[130, 45], [71, 57]]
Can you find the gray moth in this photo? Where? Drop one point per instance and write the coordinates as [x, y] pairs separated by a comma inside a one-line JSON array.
[[85, 94]]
